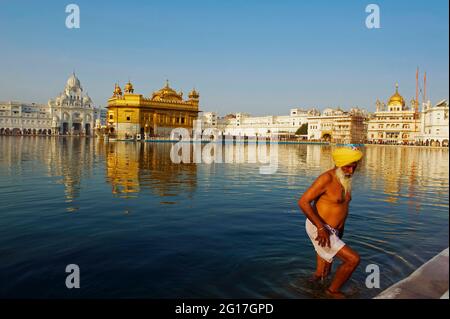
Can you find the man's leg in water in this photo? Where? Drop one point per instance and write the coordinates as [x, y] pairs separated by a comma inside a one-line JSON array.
[[350, 260], [323, 268]]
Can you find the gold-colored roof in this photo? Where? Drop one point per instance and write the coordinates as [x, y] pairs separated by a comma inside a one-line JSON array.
[[167, 93], [396, 99]]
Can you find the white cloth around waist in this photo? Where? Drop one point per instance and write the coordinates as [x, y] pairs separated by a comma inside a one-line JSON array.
[[326, 252]]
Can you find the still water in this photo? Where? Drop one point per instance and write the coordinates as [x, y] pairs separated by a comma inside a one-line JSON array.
[[140, 226]]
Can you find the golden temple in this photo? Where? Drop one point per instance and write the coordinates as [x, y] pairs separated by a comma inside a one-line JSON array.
[[132, 115]]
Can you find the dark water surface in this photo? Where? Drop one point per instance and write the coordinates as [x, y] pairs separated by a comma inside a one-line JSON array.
[[139, 225]]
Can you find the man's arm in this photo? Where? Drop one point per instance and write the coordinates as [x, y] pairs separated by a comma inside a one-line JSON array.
[[312, 193]]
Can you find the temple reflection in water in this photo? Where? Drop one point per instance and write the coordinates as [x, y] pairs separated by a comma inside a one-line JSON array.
[[139, 167], [68, 159]]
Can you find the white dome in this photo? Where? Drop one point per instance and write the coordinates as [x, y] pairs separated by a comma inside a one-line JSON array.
[[73, 81]]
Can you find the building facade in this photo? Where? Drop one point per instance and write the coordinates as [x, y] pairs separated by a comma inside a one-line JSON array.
[[338, 126], [71, 113], [245, 125], [434, 124], [17, 118], [394, 123], [132, 115]]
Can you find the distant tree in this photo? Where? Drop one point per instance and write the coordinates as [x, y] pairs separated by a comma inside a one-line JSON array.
[[302, 130]]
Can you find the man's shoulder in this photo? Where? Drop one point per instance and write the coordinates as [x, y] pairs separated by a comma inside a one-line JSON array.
[[326, 177]]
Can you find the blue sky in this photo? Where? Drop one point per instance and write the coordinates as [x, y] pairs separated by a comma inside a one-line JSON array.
[[260, 57]]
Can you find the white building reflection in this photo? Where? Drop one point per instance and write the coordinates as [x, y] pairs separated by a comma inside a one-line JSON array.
[[69, 159]]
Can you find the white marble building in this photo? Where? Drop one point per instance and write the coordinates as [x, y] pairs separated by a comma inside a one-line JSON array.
[[244, 125], [394, 123], [434, 124], [17, 118], [71, 112]]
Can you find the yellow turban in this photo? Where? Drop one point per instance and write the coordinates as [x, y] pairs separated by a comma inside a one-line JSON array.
[[345, 156]]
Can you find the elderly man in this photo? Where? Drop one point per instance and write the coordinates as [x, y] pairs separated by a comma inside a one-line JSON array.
[[325, 205]]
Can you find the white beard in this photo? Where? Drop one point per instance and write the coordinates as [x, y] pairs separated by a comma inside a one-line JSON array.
[[346, 181]]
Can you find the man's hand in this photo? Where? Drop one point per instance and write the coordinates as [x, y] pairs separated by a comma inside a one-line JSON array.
[[323, 237]]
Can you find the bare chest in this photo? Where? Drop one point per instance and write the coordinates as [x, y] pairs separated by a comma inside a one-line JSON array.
[[336, 194]]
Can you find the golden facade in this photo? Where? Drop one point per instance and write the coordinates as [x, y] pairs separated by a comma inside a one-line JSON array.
[[132, 115]]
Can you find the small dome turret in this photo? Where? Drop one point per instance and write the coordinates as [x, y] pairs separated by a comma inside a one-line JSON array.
[[117, 90], [129, 88], [194, 94]]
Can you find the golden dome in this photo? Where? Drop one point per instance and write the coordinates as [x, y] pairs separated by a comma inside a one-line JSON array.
[[194, 94], [396, 99], [117, 90], [129, 87], [167, 93]]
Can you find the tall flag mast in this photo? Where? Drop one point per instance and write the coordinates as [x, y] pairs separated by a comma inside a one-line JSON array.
[[425, 87], [417, 90], [416, 104]]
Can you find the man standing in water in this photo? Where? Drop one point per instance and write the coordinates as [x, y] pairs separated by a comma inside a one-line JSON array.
[[325, 205]]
